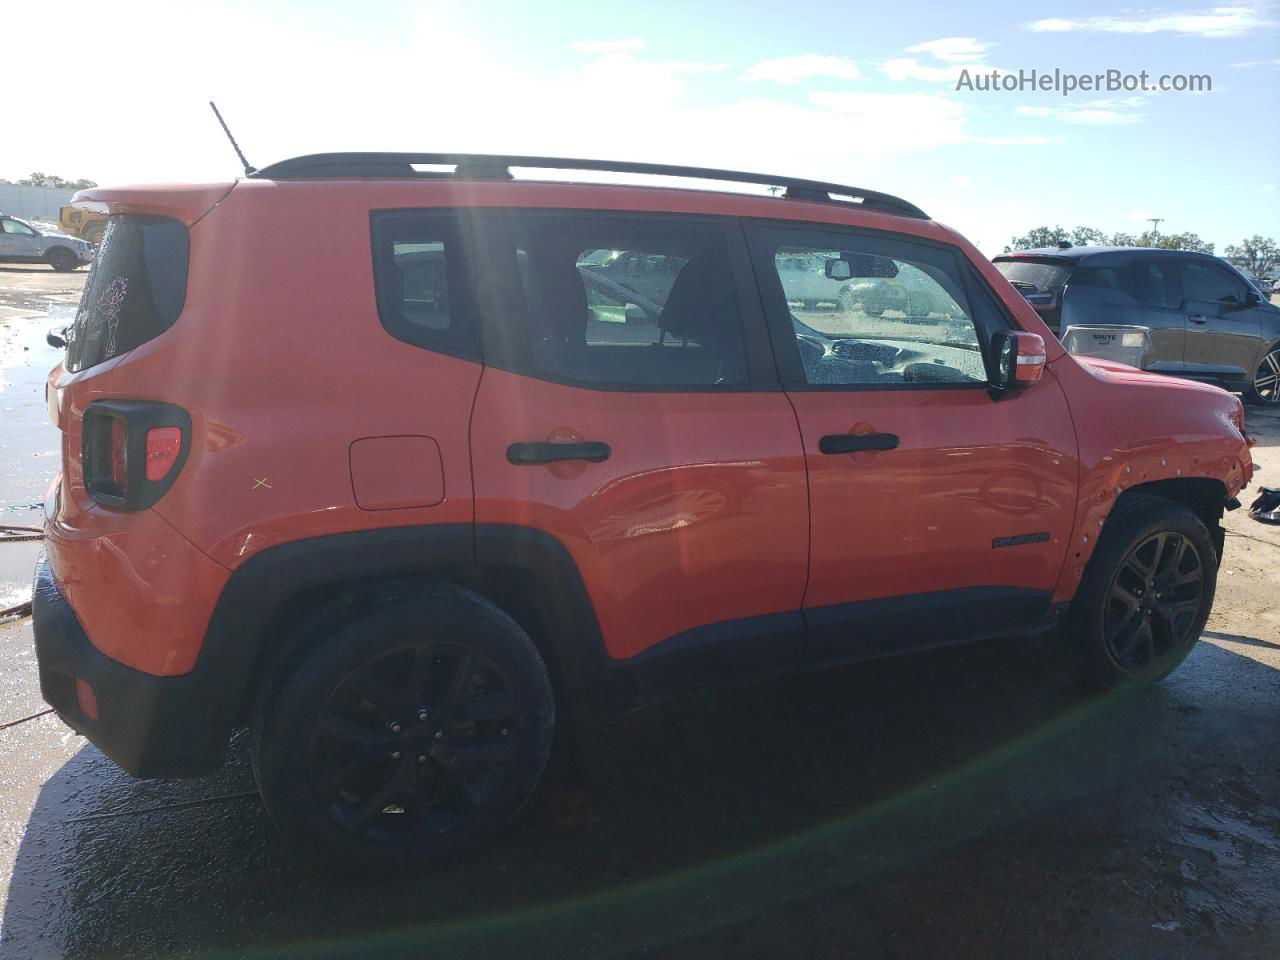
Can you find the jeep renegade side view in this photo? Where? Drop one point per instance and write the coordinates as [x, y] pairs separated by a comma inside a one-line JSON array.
[[400, 468]]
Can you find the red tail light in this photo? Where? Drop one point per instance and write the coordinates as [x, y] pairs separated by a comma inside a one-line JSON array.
[[163, 446], [132, 451]]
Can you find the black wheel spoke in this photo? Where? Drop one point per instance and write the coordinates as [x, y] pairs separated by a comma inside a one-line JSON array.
[[378, 802], [423, 658], [460, 794], [351, 734], [455, 693], [1147, 639], [484, 752], [372, 690], [492, 706]]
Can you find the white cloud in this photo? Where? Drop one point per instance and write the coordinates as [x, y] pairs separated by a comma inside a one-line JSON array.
[[1259, 63], [953, 49], [1225, 21], [801, 67], [1093, 113], [629, 44], [909, 68], [899, 122]]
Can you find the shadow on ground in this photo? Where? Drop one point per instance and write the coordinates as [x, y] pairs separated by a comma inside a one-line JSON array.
[[964, 803]]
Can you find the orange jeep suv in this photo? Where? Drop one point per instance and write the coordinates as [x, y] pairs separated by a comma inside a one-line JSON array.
[[399, 461]]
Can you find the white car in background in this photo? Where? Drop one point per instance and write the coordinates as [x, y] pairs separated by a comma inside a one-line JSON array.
[[20, 242]]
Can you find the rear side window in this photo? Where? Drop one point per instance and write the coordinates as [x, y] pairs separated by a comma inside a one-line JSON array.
[[611, 302], [1101, 278], [421, 282], [1156, 283], [135, 290]]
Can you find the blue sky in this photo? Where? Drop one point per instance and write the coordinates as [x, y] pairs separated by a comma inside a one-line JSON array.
[[863, 93]]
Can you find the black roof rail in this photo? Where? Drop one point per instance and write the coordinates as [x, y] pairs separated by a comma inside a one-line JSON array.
[[479, 166]]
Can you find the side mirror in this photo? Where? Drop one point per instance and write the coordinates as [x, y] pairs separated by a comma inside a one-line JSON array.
[[839, 270], [1019, 359], [56, 337]]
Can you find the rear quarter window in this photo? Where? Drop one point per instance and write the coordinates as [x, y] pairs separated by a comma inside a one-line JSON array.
[[135, 291]]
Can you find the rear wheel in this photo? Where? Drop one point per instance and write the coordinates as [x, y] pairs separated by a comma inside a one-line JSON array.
[[415, 731], [1265, 389], [62, 259], [1145, 595], [93, 232]]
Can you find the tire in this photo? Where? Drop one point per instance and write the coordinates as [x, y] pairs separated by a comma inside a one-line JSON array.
[[62, 260], [93, 233], [414, 729], [1122, 631], [1265, 389]]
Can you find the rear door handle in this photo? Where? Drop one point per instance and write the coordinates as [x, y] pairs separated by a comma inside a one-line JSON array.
[[527, 454], [1198, 318], [852, 443]]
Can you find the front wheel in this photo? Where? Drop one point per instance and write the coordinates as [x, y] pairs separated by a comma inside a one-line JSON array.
[[1265, 389], [414, 731], [1145, 595], [63, 260]]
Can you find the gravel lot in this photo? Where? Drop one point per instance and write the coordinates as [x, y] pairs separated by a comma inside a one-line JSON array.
[[960, 803]]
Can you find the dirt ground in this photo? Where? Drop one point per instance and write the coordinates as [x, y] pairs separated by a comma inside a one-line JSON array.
[[961, 803]]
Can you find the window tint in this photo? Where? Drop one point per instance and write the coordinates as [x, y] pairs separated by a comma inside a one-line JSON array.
[[1202, 280], [626, 303], [1035, 276], [135, 290], [1104, 278], [900, 316], [1156, 283], [421, 284]]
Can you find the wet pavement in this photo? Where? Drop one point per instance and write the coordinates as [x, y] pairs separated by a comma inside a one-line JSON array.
[[960, 803]]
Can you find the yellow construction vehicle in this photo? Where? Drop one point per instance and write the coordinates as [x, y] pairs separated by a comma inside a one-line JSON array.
[[82, 223]]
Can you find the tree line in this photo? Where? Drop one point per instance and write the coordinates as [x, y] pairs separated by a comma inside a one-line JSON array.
[[1259, 254], [38, 179]]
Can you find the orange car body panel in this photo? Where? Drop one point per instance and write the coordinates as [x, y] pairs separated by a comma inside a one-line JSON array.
[[922, 518], [698, 516]]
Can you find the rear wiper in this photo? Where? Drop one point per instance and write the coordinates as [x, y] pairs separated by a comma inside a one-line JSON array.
[[1023, 285]]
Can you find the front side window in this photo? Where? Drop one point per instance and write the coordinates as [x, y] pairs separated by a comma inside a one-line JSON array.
[[1211, 283], [867, 312], [17, 227], [612, 302]]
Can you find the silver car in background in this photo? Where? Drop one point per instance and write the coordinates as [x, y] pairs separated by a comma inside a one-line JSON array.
[[1203, 319], [22, 242]]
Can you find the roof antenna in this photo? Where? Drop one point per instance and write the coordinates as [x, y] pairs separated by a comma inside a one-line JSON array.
[[249, 170]]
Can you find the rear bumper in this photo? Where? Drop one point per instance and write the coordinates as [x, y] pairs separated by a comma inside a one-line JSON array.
[[151, 726]]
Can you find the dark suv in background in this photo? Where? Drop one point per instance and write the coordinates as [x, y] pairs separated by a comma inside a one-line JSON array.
[[1206, 321]]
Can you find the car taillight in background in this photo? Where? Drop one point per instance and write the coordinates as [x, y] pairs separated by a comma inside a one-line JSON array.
[[133, 450]]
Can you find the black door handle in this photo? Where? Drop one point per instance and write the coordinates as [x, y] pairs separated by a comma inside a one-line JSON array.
[[526, 454], [1198, 318], [852, 443]]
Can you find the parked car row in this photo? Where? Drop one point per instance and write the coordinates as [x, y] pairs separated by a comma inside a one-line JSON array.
[[1205, 320]]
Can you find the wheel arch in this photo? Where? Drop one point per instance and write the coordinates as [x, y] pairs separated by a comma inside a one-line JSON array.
[[273, 607], [1206, 497]]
